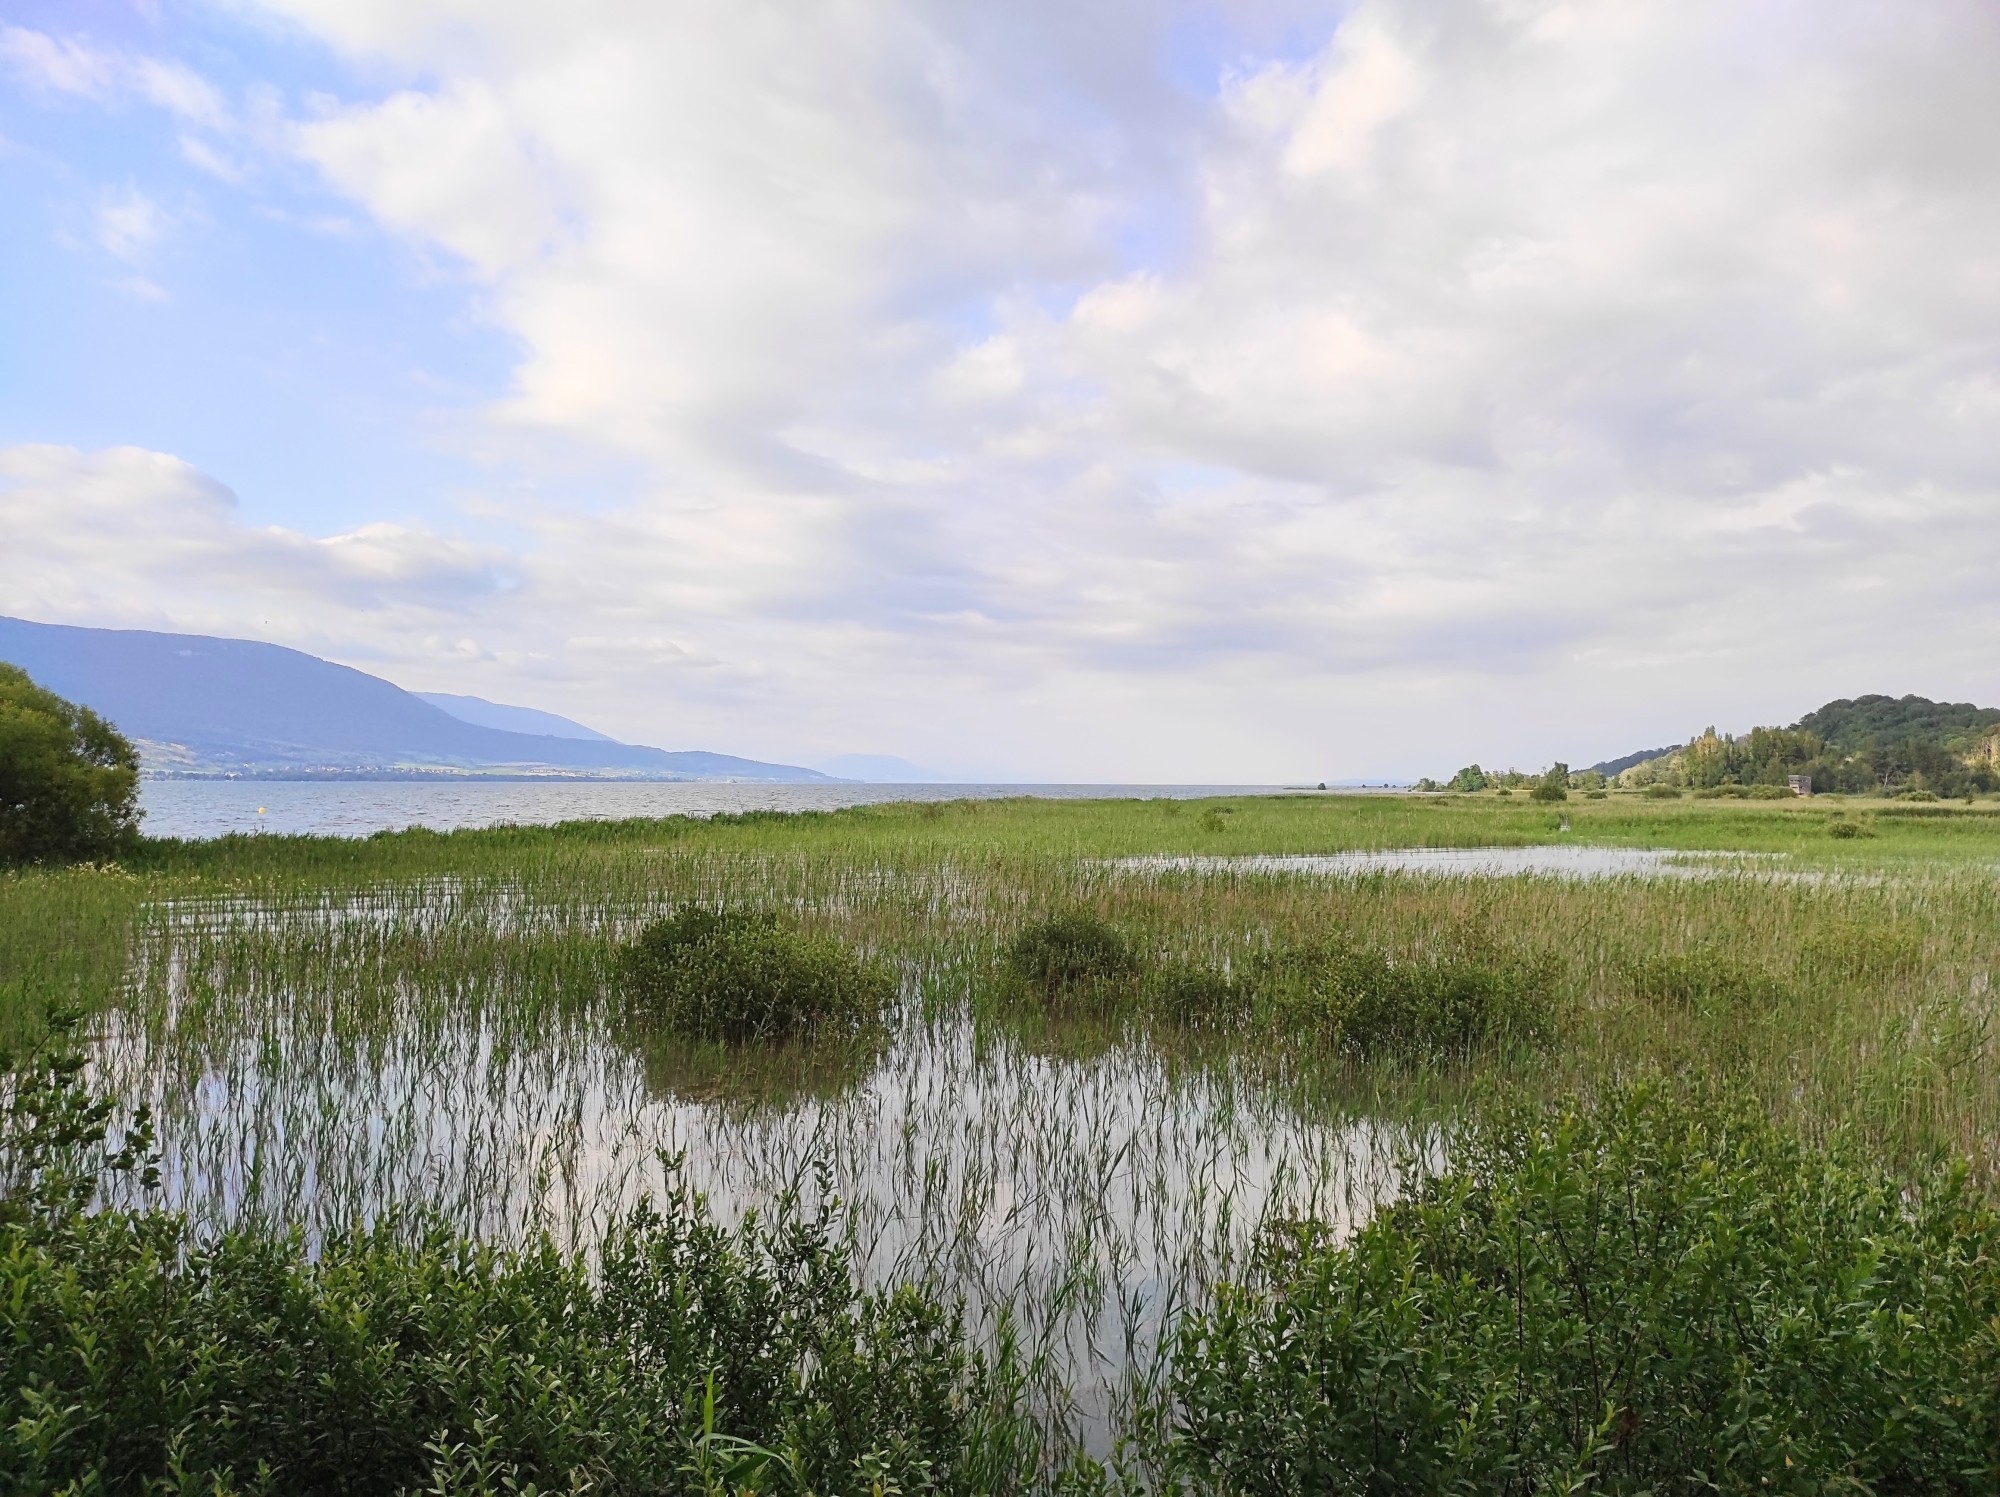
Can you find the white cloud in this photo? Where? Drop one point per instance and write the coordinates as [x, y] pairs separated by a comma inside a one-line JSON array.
[[127, 223], [1496, 373], [131, 537], [72, 65]]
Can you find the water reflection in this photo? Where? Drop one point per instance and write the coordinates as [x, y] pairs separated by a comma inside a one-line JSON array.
[[1562, 861], [1084, 1198]]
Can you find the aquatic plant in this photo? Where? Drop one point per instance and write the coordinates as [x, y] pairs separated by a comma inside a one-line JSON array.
[[739, 976], [1440, 1004], [1072, 958], [680, 1357], [1707, 983]]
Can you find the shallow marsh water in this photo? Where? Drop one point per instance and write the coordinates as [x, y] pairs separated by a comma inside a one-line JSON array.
[[1574, 861], [1081, 1197]]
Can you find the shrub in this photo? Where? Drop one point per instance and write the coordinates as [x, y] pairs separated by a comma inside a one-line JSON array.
[[69, 782], [1846, 830], [681, 1357], [1071, 958], [1662, 792], [1664, 1294], [1443, 1005], [1923, 795], [1552, 786], [1772, 792], [739, 976], [1722, 792], [1594, 795], [1195, 997]]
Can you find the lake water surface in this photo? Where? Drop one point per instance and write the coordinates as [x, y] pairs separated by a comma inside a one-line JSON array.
[[355, 808]]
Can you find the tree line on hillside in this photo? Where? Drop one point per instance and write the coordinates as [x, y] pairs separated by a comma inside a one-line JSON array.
[[1856, 746]]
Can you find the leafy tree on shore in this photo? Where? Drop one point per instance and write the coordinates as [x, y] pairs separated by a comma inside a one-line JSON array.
[[69, 781]]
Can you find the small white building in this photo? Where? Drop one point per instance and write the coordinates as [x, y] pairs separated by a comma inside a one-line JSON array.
[[1801, 783]]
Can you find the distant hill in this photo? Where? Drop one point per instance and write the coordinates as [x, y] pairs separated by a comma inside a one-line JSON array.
[[1858, 722], [1612, 767], [509, 719], [198, 704], [1858, 745]]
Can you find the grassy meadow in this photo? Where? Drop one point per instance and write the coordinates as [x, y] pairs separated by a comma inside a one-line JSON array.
[[421, 1033]]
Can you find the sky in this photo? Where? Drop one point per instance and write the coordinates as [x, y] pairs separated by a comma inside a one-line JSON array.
[[1081, 390]]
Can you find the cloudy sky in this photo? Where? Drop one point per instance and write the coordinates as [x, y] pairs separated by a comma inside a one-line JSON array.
[[1068, 389]]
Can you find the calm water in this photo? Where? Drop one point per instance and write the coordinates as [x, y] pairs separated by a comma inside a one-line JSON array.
[[1573, 861], [354, 808]]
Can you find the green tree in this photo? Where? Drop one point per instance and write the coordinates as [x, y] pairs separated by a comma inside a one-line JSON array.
[[69, 781], [1552, 786]]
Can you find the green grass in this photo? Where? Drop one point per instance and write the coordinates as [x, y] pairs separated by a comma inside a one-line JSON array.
[[333, 1032]]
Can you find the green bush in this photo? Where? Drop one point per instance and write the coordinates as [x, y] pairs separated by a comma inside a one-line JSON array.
[[1662, 792], [1665, 1295], [1072, 958], [739, 976], [1552, 786], [1723, 792], [1846, 830], [69, 783], [1772, 792], [1442, 1005], [682, 1357], [1192, 996]]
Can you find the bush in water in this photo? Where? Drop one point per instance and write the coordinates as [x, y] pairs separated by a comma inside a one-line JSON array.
[[738, 976], [1440, 1005], [1072, 958]]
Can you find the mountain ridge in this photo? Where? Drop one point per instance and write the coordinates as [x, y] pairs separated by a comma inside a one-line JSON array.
[[206, 704]]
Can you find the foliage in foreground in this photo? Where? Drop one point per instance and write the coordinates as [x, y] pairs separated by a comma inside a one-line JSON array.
[[69, 782], [1662, 1294], [685, 1358], [741, 976]]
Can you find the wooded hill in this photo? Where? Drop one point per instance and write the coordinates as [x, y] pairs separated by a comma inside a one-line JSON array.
[[1856, 745]]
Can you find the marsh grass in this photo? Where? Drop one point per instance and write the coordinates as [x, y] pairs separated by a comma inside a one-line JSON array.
[[334, 1034]]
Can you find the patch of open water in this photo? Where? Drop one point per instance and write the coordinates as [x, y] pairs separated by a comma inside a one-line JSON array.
[[1563, 860]]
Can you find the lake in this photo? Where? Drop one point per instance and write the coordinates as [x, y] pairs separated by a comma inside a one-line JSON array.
[[355, 808]]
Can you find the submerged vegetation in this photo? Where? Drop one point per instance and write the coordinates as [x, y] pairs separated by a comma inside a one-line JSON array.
[[1138, 1165]]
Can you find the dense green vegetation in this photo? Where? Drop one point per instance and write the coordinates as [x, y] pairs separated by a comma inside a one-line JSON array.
[[406, 1358], [69, 783], [743, 976], [1871, 744], [409, 1095], [1662, 1294]]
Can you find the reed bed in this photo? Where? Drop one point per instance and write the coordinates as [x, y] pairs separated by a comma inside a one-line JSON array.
[[333, 1034]]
